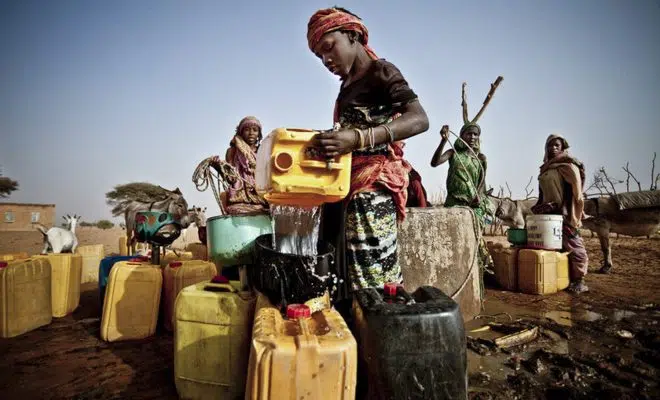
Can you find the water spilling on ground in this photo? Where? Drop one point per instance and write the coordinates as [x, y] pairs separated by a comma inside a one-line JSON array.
[[296, 229]]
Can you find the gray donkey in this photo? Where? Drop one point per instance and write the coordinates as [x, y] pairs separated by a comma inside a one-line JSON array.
[[131, 198]]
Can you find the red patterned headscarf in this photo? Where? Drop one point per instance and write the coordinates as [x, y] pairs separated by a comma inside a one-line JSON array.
[[336, 19]]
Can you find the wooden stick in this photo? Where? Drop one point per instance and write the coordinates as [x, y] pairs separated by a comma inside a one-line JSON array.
[[464, 104], [489, 96], [518, 338]]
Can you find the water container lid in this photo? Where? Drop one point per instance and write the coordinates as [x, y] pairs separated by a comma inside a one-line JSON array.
[[139, 259], [294, 311], [390, 288], [219, 279], [3, 264], [175, 264]]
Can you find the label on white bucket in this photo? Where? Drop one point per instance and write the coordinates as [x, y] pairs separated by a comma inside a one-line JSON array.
[[544, 231]]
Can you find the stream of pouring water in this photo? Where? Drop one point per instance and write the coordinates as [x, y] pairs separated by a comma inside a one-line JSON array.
[[296, 229]]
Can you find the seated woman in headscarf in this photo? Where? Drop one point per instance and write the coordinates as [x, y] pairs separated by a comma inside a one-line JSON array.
[[466, 178], [242, 196], [561, 181], [375, 110]]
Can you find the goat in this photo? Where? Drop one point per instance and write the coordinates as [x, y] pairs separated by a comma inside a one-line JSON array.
[[60, 240]]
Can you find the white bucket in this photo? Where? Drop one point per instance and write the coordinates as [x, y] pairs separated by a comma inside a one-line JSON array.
[[544, 231]]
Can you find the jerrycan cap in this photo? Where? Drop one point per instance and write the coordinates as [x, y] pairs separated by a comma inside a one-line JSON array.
[[390, 288], [294, 311], [3, 264], [219, 279], [175, 264]]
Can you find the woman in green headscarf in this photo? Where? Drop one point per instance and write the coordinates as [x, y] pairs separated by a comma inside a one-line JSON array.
[[466, 179]]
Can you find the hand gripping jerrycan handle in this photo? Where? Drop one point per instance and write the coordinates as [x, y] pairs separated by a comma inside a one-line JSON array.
[[283, 161]]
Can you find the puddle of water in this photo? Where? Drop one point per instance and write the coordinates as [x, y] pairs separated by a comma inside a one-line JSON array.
[[493, 365], [566, 318]]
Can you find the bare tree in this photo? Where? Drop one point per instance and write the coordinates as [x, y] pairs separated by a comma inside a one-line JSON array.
[[508, 188], [654, 178], [604, 183], [529, 190], [630, 175]]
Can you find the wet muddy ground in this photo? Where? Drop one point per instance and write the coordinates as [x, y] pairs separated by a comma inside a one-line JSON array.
[[604, 344]]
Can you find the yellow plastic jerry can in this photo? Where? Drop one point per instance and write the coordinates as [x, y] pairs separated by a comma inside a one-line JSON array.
[[305, 356], [563, 278], [171, 256], [289, 170], [132, 300], [91, 259], [212, 331], [66, 276], [178, 275], [25, 295], [537, 271], [505, 260]]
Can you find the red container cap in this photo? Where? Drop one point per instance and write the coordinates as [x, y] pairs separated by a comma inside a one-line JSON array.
[[390, 288], [294, 311], [3, 264], [219, 279], [175, 264]]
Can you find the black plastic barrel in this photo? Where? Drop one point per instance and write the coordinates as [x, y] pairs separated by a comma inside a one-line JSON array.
[[288, 278], [411, 351]]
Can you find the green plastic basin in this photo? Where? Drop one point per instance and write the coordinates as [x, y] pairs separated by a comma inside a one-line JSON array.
[[230, 238]]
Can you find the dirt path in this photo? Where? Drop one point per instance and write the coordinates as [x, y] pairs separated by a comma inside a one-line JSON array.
[[582, 351]]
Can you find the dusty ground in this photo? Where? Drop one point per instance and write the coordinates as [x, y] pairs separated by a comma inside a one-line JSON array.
[[603, 344]]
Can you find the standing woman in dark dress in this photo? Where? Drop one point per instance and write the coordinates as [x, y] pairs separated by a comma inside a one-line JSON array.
[[375, 109]]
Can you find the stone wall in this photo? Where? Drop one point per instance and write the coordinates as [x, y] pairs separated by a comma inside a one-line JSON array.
[[437, 247]]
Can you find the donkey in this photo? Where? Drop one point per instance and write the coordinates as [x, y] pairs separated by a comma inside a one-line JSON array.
[[511, 212], [132, 198], [190, 234], [60, 240], [606, 217]]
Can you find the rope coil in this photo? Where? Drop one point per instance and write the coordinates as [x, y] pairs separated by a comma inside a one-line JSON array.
[[205, 176]]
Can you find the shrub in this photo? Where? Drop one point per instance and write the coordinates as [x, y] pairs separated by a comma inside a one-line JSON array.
[[104, 224]]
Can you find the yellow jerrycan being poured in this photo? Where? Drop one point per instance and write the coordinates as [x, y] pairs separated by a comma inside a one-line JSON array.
[[290, 171]]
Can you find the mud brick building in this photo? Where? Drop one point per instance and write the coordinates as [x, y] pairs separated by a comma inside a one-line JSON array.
[[23, 216]]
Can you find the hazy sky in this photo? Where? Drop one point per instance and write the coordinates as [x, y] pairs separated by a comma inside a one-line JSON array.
[[95, 94]]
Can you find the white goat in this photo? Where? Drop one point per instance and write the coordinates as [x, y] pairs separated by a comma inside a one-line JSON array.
[[58, 239]]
